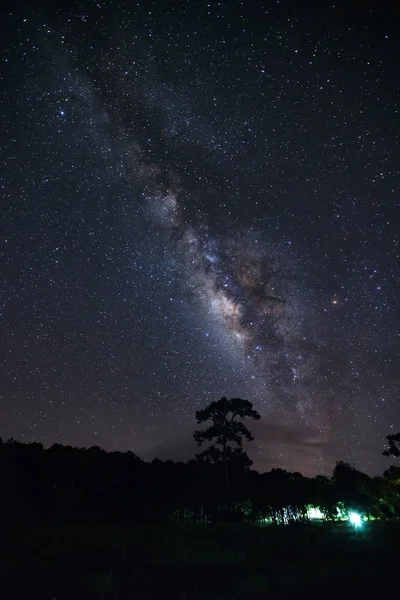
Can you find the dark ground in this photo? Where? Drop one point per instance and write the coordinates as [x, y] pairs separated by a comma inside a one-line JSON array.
[[215, 562]]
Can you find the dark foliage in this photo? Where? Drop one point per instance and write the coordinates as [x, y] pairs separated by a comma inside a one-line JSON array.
[[226, 432], [393, 447], [63, 484]]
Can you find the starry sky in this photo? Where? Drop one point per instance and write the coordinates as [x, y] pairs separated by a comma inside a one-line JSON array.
[[201, 199]]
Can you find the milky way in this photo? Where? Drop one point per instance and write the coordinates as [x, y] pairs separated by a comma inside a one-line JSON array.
[[199, 201], [246, 288]]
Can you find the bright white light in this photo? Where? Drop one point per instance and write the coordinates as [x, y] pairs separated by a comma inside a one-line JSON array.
[[315, 513], [355, 519]]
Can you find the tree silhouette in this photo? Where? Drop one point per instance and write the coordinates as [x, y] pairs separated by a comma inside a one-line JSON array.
[[226, 433], [66, 485], [354, 488], [393, 448]]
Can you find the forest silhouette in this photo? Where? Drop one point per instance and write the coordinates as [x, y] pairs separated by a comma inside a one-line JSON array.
[[63, 484]]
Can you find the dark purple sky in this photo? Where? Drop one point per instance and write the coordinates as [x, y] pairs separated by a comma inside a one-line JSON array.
[[199, 199]]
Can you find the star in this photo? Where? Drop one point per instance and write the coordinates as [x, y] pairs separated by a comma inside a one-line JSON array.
[[175, 229]]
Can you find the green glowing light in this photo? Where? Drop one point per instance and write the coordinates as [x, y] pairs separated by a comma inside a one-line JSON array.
[[315, 513]]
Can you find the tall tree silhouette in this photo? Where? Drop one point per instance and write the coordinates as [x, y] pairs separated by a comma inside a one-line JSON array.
[[393, 448], [226, 433]]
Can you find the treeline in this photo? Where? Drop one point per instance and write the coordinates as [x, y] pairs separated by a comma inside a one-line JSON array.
[[65, 484]]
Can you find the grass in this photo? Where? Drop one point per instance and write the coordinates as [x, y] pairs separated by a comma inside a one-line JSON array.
[[197, 562]]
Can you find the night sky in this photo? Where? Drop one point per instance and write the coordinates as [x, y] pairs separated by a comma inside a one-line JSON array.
[[201, 199]]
